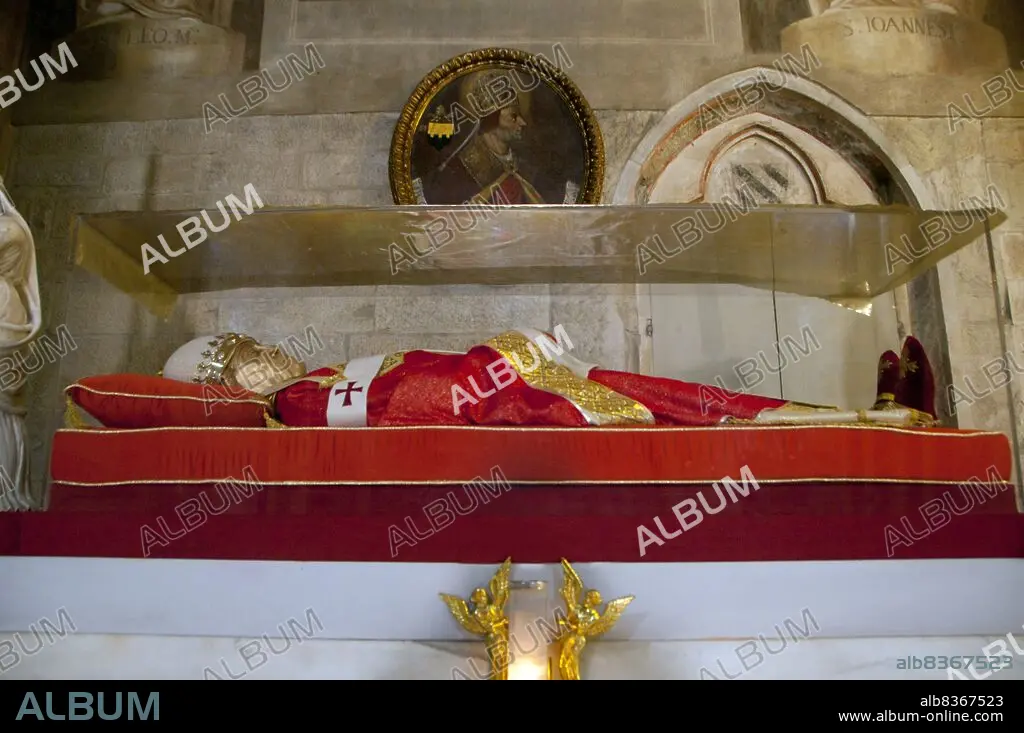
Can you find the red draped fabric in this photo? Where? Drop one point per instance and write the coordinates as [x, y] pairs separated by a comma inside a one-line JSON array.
[[419, 392], [470, 494], [489, 540]]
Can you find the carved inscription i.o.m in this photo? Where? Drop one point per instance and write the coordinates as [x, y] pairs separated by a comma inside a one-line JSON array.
[[146, 35], [149, 48]]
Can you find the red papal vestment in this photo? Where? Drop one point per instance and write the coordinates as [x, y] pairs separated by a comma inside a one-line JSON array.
[[522, 377]]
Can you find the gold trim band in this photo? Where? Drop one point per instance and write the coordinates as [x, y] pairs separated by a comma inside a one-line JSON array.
[[598, 404], [531, 482], [604, 429]]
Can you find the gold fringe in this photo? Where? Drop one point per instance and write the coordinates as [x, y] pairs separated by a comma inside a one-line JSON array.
[[72, 420], [338, 376], [271, 422], [918, 419]]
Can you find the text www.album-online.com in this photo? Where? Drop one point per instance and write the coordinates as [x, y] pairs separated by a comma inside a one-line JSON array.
[[938, 717], [941, 716], [951, 709]]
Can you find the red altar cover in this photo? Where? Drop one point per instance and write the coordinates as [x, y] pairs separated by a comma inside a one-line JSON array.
[[340, 494]]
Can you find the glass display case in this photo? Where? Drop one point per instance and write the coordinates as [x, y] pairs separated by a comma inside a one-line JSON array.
[[870, 250], [794, 302]]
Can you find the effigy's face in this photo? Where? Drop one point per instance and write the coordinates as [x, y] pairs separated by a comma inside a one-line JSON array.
[[260, 368]]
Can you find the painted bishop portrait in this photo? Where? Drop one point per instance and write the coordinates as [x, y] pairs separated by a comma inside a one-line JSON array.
[[509, 148]]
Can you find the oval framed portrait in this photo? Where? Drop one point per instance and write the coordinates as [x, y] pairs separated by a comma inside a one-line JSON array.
[[497, 127]]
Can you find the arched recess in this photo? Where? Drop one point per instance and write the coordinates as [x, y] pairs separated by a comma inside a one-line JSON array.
[[775, 155], [846, 159]]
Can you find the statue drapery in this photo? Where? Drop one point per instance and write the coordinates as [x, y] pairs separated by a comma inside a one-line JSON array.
[[974, 9], [20, 321], [96, 12]]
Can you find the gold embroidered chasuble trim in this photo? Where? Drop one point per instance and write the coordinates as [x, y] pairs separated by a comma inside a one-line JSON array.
[[598, 404], [328, 382], [390, 362]]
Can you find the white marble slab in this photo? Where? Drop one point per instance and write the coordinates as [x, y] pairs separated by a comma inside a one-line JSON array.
[[104, 657], [399, 601]]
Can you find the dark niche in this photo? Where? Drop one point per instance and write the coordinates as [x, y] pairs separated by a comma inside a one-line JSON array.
[[763, 21]]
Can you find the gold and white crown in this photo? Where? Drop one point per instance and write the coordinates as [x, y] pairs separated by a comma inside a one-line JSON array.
[[203, 360]]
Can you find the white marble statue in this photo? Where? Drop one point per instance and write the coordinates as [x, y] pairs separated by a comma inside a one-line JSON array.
[[97, 12], [969, 8], [20, 321]]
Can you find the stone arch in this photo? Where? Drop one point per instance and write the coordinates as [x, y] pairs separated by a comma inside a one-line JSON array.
[[777, 97], [805, 104], [774, 141]]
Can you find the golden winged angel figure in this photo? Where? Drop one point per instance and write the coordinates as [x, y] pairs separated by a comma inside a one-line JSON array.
[[487, 618], [584, 620]]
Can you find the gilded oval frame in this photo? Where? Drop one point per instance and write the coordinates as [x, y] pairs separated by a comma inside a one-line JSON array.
[[404, 138]]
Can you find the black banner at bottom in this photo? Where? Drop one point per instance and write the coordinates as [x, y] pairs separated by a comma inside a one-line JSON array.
[[262, 702]]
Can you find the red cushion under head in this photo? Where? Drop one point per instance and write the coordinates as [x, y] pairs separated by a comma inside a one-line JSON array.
[[143, 401]]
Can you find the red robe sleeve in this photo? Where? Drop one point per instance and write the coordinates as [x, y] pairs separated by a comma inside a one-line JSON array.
[[683, 403]]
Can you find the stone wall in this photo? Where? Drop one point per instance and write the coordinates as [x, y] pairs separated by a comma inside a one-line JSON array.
[[1003, 141], [639, 54]]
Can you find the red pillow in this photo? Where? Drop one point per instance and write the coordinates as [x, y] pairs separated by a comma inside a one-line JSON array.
[[143, 401]]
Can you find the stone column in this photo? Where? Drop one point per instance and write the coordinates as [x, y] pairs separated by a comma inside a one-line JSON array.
[[130, 39], [13, 19], [900, 37]]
